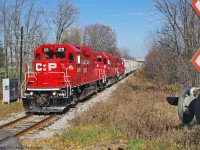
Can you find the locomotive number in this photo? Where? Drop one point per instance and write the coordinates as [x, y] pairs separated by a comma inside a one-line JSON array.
[[40, 67]]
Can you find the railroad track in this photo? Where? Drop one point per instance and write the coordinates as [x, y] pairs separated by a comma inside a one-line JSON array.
[[28, 124]]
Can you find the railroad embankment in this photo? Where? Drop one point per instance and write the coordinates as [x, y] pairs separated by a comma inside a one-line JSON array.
[[135, 116]]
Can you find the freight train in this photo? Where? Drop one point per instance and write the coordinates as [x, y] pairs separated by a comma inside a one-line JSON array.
[[62, 74]]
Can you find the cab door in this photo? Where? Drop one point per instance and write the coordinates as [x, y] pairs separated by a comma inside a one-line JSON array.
[[78, 70]]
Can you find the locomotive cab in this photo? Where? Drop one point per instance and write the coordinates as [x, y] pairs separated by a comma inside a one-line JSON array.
[[102, 61], [48, 87], [120, 66], [102, 66]]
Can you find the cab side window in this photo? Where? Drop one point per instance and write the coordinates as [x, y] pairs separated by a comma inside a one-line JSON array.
[[105, 62], [37, 56], [99, 59], [71, 57]]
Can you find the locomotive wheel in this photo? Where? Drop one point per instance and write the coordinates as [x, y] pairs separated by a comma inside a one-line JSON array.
[[185, 112], [197, 110]]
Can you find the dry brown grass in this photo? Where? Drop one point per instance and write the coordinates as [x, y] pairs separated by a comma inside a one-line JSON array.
[[138, 108], [7, 110], [140, 116], [1, 94]]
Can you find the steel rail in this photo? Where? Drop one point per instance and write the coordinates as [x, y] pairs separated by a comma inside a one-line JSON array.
[[34, 126], [15, 121]]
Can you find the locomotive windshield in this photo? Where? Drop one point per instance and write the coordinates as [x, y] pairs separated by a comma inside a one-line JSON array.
[[60, 55], [48, 55]]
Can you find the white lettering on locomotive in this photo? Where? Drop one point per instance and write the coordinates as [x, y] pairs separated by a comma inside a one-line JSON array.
[[52, 66], [40, 67]]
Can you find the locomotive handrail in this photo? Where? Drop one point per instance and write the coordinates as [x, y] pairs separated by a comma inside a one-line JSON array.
[[104, 75], [23, 83], [34, 73], [68, 82], [99, 72], [22, 87], [117, 71]]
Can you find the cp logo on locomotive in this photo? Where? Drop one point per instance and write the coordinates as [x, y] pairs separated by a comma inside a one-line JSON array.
[[44, 67]]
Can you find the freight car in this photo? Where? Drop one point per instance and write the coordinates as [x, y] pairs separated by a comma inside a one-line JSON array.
[[130, 66], [64, 73]]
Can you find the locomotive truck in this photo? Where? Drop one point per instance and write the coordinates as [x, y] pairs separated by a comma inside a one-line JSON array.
[[62, 74]]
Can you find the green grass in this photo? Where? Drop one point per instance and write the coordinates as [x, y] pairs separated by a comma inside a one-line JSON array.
[[87, 135], [140, 144]]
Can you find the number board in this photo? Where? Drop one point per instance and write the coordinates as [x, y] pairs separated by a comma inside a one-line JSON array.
[[46, 50], [60, 49]]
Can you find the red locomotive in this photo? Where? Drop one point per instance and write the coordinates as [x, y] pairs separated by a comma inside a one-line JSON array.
[[64, 73]]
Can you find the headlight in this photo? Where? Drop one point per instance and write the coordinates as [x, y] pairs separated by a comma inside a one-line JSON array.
[[54, 93], [31, 93]]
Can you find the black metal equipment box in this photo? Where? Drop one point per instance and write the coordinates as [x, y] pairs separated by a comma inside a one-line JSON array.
[[10, 90]]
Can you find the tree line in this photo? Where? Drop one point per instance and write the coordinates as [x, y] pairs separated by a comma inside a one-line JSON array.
[[40, 25], [174, 44]]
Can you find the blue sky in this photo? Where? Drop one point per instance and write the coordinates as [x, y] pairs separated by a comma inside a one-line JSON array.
[[132, 20]]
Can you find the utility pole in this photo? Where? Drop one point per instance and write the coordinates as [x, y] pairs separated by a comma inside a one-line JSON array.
[[6, 53], [5, 48], [21, 47]]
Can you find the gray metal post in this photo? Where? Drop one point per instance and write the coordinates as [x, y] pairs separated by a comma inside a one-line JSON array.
[[21, 47]]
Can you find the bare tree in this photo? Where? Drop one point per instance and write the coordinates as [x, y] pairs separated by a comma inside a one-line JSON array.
[[5, 16], [33, 29], [14, 15], [178, 38], [62, 17], [73, 36], [126, 53], [100, 38]]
